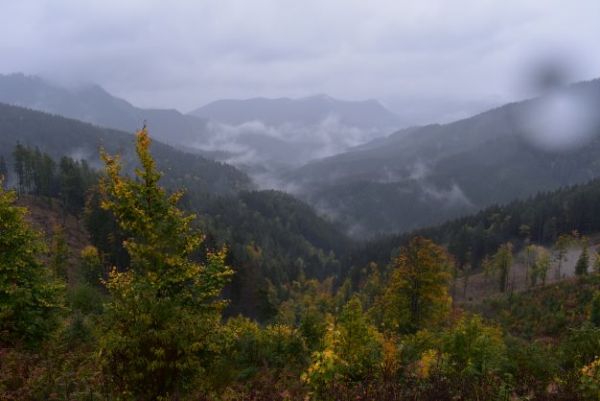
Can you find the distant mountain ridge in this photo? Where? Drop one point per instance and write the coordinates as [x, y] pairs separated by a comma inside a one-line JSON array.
[[306, 110], [92, 104], [267, 135], [261, 136]]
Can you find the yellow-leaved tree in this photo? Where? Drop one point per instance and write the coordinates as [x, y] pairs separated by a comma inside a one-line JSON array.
[[164, 310], [417, 293]]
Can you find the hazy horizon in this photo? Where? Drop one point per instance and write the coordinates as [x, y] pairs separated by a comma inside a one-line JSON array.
[[428, 62]]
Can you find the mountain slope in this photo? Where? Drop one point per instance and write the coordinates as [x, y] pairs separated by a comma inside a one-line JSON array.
[[259, 135], [268, 135], [94, 105], [272, 238], [60, 136], [539, 219], [425, 175]]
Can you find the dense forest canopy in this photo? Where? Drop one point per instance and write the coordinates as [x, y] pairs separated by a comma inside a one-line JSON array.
[[149, 309], [272, 237], [539, 219]]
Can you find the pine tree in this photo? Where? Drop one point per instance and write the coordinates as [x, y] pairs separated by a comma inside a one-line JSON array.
[[3, 170], [19, 157], [164, 310], [92, 269], [72, 185], [542, 264], [561, 246], [530, 264], [595, 312], [502, 262], [59, 253], [583, 262], [30, 296], [467, 270], [597, 263], [488, 268]]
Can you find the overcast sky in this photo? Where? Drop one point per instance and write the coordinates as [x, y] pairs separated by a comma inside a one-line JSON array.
[[427, 60]]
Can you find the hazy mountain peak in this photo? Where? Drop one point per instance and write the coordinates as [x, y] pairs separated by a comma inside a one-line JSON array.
[[319, 96], [91, 103], [309, 110]]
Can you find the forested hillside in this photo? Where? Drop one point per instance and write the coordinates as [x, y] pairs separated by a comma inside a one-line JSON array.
[[158, 326], [425, 175], [94, 105], [539, 219], [272, 237], [59, 136]]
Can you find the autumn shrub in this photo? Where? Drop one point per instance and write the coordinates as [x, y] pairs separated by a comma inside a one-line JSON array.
[[469, 361], [353, 351], [417, 294], [590, 380]]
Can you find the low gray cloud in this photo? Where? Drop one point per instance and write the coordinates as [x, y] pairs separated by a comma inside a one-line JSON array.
[[430, 60], [289, 144]]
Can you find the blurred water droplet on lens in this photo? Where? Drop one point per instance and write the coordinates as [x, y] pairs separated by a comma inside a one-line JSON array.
[[559, 121], [562, 118]]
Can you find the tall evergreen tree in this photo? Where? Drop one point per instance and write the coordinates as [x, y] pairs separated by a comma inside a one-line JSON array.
[[30, 296], [583, 262], [3, 170], [502, 261], [59, 253], [164, 309], [542, 265], [561, 247], [19, 157], [595, 310]]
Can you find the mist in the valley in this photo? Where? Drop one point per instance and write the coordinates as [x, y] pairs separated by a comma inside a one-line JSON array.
[[256, 145]]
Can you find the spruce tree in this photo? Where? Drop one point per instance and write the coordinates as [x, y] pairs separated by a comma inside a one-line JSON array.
[[595, 312], [30, 296], [543, 265], [583, 262], [19, 166], [164, 309], [59, 253], [3, 170], [561, 246], [502, 262]]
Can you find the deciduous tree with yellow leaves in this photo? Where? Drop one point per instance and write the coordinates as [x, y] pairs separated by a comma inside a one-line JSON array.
[[417, 293]]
